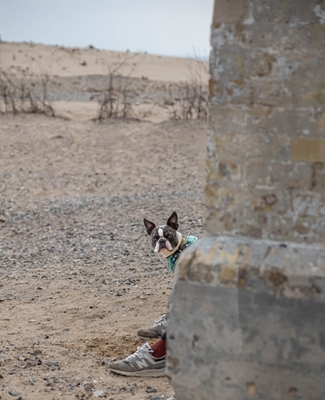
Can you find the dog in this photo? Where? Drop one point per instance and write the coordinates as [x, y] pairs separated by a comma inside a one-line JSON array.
[[167, 240]]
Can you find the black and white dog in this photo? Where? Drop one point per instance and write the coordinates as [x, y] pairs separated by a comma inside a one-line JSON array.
[[166, 240]]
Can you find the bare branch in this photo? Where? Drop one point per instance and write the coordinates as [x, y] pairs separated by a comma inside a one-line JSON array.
[[25, 93]]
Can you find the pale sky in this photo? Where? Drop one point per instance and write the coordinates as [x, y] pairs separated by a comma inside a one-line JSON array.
[[167, 27]]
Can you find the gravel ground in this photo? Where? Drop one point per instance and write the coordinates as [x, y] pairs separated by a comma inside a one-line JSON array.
[[77, 275]]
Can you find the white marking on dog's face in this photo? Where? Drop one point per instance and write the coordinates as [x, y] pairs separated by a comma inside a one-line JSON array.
[[156, 249], [160, 232]]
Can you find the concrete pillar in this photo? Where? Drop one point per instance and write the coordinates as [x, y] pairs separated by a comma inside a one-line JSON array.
[[247, 310]]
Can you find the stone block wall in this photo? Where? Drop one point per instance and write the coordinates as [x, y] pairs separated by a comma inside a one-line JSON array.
[[266, 145], [247, 321], [247, 314]]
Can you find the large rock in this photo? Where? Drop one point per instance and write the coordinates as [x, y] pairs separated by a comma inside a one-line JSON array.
[[247, 321], [247, 314]]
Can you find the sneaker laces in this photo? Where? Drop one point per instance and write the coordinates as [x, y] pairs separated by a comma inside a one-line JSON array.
[[141, 352], [160, 321]]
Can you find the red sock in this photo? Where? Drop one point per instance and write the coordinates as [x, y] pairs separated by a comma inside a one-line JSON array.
[[159, 348]]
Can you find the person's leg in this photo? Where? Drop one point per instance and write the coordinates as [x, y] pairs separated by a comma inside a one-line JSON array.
[[159, 347]]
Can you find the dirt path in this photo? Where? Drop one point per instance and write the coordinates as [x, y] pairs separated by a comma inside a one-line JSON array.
[[77, 276]]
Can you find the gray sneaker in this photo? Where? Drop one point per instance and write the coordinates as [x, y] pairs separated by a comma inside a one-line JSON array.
[[156, 330], [140, 363]]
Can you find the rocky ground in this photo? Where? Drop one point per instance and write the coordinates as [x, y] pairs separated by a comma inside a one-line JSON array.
[[90, 88], [77, 276]]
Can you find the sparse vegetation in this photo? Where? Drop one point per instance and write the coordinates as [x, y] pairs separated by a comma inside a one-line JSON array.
[[25, 93], [189, 99], [119, 96], [185, 100]]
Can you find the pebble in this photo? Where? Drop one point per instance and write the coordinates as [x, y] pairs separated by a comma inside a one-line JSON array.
[[151, 390], [98, 393], [36, 352], [130, 387], [13, 393]]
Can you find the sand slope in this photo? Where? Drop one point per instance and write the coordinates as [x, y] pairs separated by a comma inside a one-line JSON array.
[[62, 61], [78, 77]]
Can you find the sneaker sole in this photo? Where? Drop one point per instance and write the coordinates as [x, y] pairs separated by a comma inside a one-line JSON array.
[[147, 373], [149, 337]]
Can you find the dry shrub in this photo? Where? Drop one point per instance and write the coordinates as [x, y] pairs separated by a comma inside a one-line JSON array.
[[23, 92], [189, 99], [118, 98]]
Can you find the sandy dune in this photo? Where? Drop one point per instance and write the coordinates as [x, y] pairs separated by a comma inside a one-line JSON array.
[[79, 76], [63, 61]]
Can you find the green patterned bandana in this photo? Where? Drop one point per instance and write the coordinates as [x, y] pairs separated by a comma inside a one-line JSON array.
[[171, 260]]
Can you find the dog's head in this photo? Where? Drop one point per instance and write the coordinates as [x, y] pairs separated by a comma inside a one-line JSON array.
[[165, 239]]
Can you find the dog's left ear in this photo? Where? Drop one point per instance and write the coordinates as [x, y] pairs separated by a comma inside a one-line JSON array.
[[150, 226], [173, 221]]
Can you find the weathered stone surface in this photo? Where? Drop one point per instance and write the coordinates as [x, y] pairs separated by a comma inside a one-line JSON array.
[[305, 149], [225, 12], [247, 318], [247, 309], [267, 118]]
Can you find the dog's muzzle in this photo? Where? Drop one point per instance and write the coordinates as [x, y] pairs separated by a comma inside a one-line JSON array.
[[162, 243]]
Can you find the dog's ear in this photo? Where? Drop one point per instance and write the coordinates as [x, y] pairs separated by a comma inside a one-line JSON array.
[[173, 221], [150, 226]]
